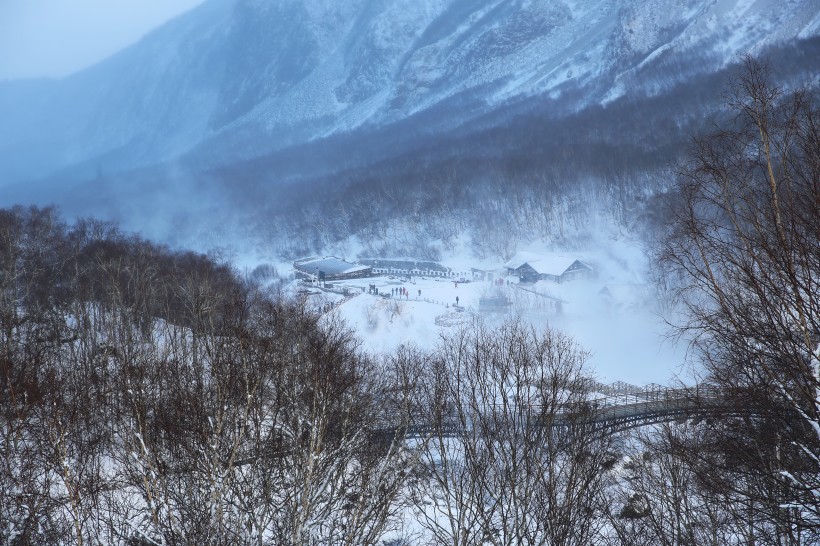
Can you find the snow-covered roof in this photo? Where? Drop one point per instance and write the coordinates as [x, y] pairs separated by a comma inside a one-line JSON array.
[[544, 264], [330, 265], [520, 259]]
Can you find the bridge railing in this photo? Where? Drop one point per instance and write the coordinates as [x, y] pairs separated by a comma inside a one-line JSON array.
[[649, 404], [652, 405], [665, 394]]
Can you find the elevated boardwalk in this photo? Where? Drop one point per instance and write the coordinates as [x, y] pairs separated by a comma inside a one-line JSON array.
[[622, 407], [613, 413], [658, 405]]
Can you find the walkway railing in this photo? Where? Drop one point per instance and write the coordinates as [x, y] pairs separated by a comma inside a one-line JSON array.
[[651, 406], [615, 412]]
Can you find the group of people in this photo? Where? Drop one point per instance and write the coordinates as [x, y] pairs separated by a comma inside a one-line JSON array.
[[402, 291]]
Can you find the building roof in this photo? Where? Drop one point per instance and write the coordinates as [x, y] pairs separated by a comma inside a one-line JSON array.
[[330, 265], [544, 264], [520, 259]]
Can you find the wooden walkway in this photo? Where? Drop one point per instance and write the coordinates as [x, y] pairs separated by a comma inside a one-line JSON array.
[[624, 411], [613, 413]]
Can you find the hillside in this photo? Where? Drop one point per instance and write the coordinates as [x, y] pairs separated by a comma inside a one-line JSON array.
[[240, 80]]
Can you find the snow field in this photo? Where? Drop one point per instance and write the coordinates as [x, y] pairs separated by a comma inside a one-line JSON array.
[[617, 316]]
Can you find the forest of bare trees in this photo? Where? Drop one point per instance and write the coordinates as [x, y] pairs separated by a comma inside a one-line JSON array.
[[153, 397]]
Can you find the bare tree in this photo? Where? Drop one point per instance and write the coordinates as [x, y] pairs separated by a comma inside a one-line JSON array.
[[661, 500], [744, 246], [514, 459], [268, 432]]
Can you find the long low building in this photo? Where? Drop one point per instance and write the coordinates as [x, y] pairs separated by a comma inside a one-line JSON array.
[[407, 267], [330, 268]]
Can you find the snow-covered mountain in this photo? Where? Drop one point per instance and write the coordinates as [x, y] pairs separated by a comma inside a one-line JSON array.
[[238, 79]]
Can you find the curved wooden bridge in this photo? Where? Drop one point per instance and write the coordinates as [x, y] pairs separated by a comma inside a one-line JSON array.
[[655, 405], [618, 411]]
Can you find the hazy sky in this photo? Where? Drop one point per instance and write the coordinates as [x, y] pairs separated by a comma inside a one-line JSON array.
[[58, 37]]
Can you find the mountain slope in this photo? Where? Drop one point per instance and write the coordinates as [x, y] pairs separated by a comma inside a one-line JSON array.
[[236, 79]]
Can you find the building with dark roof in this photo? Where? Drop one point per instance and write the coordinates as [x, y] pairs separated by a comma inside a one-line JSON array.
[[407, 267], [330, 268], [554, 267]]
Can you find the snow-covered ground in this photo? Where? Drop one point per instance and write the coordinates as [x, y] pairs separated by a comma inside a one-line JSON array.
[[615, 314]]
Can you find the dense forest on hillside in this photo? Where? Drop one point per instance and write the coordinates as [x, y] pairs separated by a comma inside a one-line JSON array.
[[537, 168], [538, 171]]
